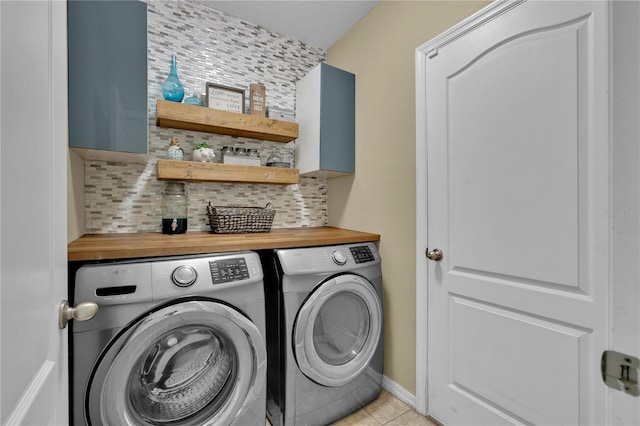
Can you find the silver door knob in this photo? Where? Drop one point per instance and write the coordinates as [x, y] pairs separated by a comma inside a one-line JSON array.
[[81, 312], [435, 254]]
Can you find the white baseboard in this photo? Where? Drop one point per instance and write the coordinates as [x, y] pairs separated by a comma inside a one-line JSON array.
[[399, 392]]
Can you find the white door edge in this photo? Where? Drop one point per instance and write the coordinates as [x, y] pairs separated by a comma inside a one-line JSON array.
[[421, 236]]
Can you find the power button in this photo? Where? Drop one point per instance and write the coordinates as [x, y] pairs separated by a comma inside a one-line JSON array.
[[338, 257], [184, 276]]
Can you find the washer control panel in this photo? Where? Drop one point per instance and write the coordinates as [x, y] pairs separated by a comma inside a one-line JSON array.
[[227, 270], [362, 254]]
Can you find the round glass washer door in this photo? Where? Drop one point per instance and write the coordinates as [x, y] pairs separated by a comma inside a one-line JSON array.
[[197, 362], [337, 330]]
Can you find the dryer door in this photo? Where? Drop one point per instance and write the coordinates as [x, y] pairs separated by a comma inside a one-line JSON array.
[[337, 330], [190, 363]]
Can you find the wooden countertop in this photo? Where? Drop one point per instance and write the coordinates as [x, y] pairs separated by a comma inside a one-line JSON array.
[[124, 246]]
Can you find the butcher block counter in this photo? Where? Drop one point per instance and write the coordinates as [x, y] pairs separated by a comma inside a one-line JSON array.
[[125, 246]]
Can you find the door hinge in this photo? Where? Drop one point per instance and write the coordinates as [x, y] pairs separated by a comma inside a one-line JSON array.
[[620, 372], [432, 53]]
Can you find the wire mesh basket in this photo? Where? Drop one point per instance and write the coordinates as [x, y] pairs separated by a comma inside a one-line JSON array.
[[240, 220]]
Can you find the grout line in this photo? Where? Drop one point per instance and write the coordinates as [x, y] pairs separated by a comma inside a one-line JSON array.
[[399, 415], [375, 420]]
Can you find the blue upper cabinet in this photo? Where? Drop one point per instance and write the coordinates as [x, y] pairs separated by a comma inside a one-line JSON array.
[[325, 111], [108, 79]]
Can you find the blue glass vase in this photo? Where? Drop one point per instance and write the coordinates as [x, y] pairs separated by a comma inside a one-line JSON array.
[[172, 89]]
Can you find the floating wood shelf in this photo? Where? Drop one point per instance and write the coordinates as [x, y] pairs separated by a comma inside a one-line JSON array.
[[202, 119], [207, 172]]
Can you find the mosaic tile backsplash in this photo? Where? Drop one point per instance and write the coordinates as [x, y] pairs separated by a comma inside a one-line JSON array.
[[210, 46]]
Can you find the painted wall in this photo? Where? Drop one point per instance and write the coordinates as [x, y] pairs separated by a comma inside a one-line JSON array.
[[380, 196]]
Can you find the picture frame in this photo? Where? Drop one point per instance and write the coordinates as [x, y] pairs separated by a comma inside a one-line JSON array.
[[225, 98]]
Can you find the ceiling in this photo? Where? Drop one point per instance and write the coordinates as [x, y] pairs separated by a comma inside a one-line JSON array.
[[319, 23]]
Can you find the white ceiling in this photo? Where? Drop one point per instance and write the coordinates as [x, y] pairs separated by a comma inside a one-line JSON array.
[[319, 23]]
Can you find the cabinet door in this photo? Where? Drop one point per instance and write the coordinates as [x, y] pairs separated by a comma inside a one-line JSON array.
[[108, 77], [325, 110], [337, 120]]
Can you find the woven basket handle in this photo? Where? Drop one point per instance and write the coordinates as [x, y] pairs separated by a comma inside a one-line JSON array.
[[267, 206]]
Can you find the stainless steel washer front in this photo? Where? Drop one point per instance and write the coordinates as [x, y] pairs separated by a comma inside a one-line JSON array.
[[177, 341]]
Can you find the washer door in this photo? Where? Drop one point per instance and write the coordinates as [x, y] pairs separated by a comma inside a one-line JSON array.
[[190, 363], [337, 330]]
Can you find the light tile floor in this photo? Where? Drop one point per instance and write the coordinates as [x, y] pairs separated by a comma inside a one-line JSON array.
[[386, 410]]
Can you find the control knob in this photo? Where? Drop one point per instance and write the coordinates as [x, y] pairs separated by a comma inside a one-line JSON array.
[[184, 276], [338, 257]]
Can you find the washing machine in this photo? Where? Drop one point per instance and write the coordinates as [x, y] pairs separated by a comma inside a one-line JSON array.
[[175, 341], [324, 332]]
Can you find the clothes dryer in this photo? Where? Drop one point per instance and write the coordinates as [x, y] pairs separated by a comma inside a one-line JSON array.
[[176, 341], [324, 332]]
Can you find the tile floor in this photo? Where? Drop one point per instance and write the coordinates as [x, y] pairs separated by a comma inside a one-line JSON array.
[[386, 410]]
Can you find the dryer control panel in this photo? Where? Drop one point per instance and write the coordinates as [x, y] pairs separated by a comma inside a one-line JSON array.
[[328, 259], [362, 254]]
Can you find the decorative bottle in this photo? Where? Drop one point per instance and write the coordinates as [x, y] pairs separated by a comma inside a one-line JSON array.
[[194, 100], [274, 159], [172, 89], [175, 208]]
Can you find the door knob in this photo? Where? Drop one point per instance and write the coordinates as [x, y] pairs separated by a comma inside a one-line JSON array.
[[435, 254], [81, 312]]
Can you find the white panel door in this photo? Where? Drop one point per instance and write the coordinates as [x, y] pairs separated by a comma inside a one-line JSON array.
[[517, 186], [33, 231]]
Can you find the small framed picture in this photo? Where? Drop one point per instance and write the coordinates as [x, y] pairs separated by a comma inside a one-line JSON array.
[[225, 98], [257, 96]]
